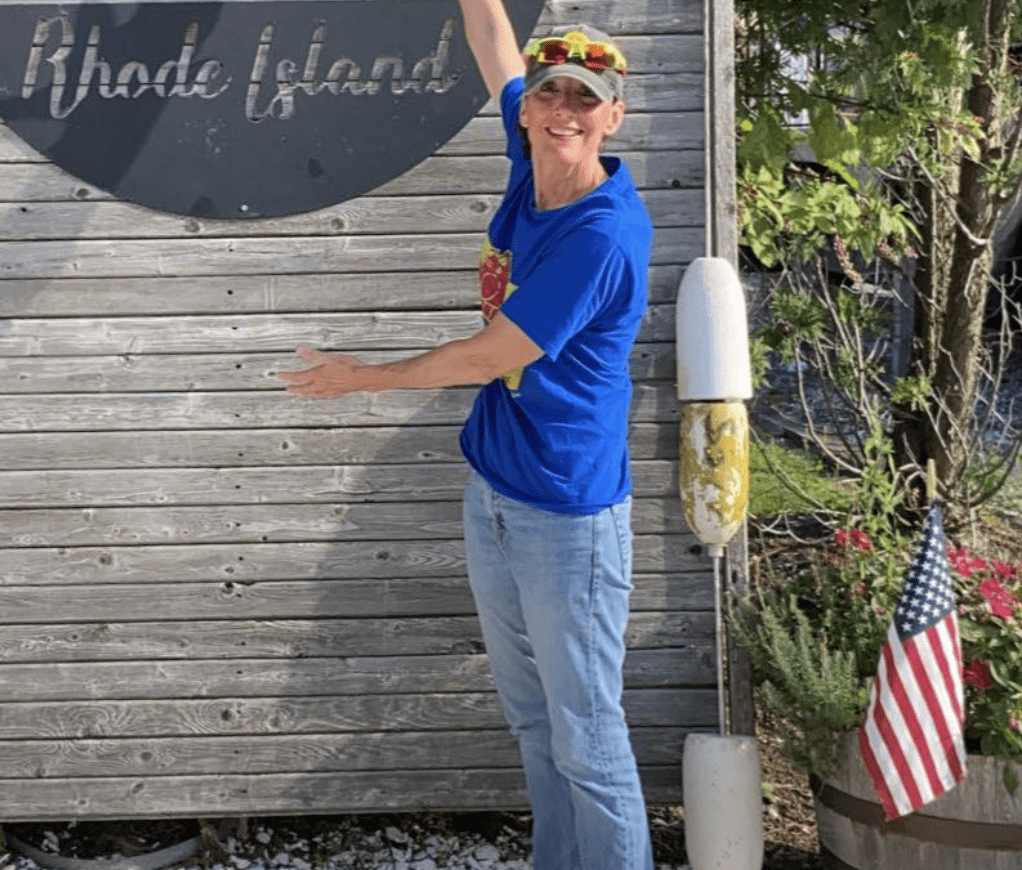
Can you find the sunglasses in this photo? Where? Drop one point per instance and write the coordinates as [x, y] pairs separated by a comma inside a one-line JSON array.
[[575, 47]]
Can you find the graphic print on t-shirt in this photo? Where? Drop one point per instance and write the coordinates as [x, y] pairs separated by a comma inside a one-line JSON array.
[[494, 287]]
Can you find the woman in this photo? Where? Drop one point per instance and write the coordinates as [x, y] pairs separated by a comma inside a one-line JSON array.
[[547, 509]]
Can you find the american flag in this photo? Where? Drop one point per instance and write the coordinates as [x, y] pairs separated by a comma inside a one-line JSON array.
[[912, 741]]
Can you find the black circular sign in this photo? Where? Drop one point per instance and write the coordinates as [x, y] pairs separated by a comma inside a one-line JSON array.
[[241, 108]]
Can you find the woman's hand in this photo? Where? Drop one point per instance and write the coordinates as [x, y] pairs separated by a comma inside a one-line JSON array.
[[490, 353], [334, 374]]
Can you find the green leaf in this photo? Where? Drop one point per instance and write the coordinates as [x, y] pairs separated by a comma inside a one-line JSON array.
[[833, 141], [767, 143], [1010, 779]]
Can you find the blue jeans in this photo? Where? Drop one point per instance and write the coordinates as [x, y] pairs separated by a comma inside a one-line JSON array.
[[552, 595]]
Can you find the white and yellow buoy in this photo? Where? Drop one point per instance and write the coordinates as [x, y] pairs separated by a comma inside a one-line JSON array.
[[721, 774]]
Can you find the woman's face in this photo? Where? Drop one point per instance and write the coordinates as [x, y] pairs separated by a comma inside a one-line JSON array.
[[567, 122]]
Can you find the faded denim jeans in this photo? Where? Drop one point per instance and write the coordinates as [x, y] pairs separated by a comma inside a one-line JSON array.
[[552, 595]]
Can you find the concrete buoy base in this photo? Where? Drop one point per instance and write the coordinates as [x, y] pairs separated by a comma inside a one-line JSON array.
[[723, 803]]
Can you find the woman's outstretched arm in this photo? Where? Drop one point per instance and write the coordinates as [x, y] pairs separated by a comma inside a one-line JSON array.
[[492, 40]]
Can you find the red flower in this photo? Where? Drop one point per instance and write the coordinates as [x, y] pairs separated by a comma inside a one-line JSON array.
[[1002, 602], [1004, 570], [959, 560], [991, 589], [977, 674], [861, 540], [957, 555], [1004, 606], [841, 537]]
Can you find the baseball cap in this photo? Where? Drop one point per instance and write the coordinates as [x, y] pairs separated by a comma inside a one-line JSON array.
[[582, 52]]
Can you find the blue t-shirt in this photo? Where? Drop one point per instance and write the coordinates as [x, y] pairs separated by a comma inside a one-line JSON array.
[[573, 279]]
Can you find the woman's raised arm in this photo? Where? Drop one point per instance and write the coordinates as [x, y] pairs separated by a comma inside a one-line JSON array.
[[492, 40]]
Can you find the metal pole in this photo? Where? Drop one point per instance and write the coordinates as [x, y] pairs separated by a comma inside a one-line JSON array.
[[717, 555]]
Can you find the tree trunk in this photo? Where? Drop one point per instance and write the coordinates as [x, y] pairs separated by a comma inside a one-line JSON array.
[[954, 279]]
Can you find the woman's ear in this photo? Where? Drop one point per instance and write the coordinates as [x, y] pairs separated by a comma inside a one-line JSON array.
[[616, 117]]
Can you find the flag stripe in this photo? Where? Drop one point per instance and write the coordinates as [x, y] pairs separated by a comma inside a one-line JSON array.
[[906, 795], [944, 709], [880, 781], [917, 716], [904, 726], [946, 641], [918, 651], [891, 726]]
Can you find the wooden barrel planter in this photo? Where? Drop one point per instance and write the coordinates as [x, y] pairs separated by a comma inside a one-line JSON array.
[[975, 826]]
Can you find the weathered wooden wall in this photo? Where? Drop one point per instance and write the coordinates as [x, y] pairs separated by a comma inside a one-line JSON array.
[[216, 599]]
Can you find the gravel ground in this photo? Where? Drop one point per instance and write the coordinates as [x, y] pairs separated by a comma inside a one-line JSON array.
[[420, 841]]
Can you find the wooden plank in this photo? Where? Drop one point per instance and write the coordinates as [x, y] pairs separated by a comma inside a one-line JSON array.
[[132, 338], [215, 796], [236, 448], [263, 294], [238, 567], [651, 402], [450, 174], [352, 639], [434, 175], [687, 666], [327, 714], [143, 258], [69, 527], [318, 484], [233, 371], [191, 756], [240, 448], [365, 330], [155, 373], [620, 17], [230, 523], [722, 202], [259, 294], [34, 221], [676, 89], [40, 604]]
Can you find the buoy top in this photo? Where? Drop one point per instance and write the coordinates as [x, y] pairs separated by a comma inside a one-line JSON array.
[[712, 336]]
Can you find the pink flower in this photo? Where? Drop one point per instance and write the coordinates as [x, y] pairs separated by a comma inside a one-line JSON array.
[[960, 561], [841, 538], [1003, 569], [861, 540], [1002, 602], [1002, 607], [977, 674], [1014, 724], [991, 589], [956, 555]]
